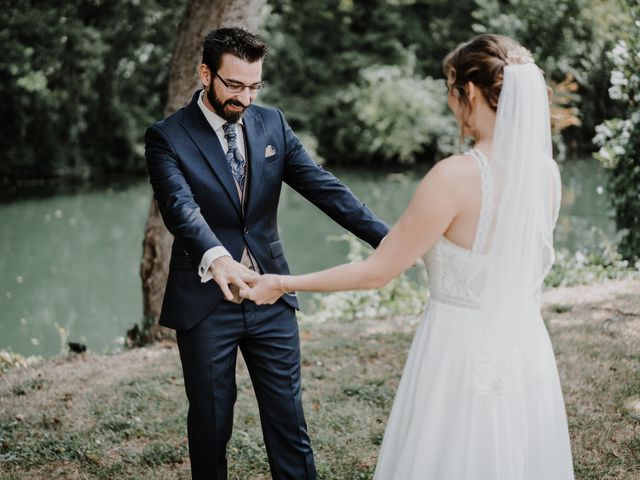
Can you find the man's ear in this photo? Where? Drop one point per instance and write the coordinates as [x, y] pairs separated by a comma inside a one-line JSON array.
[[205, 74]]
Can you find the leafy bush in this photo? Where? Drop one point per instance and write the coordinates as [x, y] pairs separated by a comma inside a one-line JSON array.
[[530, 23], [404, 296], [325, 53], [79, 81], [393, 115], [581, 33], [619, 139], [590, 266], [329, 51], [400, 297], [8, 360]]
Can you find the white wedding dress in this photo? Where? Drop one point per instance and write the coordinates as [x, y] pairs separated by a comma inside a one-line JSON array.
[[442, 427]]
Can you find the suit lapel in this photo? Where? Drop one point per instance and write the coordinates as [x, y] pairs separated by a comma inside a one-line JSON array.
[[207, 142], [256, 142]]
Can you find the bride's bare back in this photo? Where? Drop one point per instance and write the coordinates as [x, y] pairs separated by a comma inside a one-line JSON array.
[[462, 229]]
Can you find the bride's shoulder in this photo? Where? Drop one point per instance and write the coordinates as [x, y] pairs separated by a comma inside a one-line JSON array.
[[454, 168], [449, 180]]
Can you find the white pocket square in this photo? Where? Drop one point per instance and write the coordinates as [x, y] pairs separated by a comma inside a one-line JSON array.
[[269, 151]]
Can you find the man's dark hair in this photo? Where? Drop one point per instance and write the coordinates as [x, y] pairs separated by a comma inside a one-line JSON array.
[[235, 41]]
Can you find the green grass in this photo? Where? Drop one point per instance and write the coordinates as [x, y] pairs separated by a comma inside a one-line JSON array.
[[125, 416]]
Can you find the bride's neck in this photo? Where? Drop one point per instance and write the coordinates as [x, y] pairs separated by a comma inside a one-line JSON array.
[[486, 122]]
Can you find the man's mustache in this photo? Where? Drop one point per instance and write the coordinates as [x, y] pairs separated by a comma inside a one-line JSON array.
[[236, 103]]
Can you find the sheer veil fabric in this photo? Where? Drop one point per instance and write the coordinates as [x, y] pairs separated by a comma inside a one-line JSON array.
[[526, 202]]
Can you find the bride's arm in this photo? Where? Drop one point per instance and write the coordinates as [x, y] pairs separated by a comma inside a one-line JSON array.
[[433, 207]]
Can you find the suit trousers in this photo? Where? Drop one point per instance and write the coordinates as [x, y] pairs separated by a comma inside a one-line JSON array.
[[270, 344]]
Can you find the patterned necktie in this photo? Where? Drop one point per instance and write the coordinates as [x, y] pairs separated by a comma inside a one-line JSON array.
[[234, 157]]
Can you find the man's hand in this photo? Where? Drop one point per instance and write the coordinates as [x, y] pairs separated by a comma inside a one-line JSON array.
[[266, 289], [227, 272]]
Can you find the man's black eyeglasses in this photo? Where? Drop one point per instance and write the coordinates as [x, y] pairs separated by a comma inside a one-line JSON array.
[[233, 87]]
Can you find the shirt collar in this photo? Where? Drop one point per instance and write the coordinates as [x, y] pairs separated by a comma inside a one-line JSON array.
[[215, 120]]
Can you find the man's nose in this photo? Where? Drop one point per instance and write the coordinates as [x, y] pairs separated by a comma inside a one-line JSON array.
[[245, 96]]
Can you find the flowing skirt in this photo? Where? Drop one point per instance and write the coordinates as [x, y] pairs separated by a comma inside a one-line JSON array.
[[441, 429]]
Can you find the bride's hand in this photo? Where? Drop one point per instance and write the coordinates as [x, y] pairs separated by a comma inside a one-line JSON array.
[[265, 289]]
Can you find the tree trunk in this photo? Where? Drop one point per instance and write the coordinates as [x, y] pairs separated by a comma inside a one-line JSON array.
[[200, 17]]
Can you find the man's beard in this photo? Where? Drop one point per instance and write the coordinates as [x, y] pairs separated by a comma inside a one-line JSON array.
[[218, 106]]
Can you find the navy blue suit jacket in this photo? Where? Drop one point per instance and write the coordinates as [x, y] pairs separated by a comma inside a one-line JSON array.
[[197, 198]]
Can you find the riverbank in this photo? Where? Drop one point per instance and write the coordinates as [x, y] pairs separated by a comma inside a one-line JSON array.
[[123, 416], [97, 304]]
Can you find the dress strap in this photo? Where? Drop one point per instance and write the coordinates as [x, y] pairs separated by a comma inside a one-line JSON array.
[[486, 206]]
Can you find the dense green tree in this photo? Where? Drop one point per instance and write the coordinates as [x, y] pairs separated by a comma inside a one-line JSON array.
[[325, 51], [619, 138], [79, 82], [569, 39]]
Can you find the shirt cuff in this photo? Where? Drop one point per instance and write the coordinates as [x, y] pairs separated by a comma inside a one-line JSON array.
[[208, 258]]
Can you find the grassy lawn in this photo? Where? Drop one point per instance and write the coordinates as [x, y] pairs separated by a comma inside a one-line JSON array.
[[123, 416]]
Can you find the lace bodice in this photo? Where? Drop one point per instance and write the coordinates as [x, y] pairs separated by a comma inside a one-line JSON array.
[[456, 274]]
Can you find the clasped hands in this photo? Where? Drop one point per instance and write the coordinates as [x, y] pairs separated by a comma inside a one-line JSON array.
[[237, 282]]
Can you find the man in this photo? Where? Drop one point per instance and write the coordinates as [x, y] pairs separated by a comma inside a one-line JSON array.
[[217, 167]]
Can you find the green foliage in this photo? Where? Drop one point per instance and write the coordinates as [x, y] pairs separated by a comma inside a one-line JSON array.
[[590, 266], [404, 296], [8, 360], [619, 138], [567, 37], [608, 20], [401, 297], [393, 115], [532, 24], [79, 82], [332, 53], [327, 56]]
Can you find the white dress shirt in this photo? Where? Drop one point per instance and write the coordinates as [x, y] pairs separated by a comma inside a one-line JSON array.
[[217, 122]]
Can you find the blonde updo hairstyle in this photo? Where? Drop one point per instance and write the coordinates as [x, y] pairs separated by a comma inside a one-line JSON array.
[[481, 61]]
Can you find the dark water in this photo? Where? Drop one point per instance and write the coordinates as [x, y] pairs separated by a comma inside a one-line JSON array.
[[70, 257]]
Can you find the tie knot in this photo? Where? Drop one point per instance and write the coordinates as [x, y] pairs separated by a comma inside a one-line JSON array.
[[229, 131]]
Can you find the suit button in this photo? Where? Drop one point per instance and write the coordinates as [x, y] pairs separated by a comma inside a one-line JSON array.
[[246, 231]]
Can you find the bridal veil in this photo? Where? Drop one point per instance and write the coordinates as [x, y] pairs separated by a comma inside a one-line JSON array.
[[526, 201]]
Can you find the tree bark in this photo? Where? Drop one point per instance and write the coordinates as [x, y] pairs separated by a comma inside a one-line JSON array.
[[200, 17]]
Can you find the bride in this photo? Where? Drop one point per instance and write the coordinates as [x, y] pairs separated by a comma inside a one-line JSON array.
[[480, 396]]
